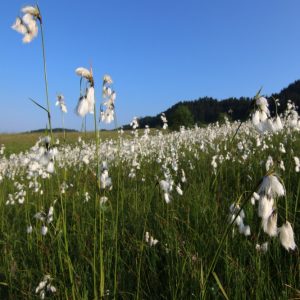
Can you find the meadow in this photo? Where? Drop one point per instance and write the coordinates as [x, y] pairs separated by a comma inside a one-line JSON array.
[[18, 142], [156, 223]]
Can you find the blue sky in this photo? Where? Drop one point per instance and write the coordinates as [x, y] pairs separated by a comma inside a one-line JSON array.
[[158, 52]]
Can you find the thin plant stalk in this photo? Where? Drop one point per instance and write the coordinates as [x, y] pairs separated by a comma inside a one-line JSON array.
[[101, 218], [45, 79], [117, 222], [286, 209], [95, 206], [102, 278], [63, 125], [116, 238]]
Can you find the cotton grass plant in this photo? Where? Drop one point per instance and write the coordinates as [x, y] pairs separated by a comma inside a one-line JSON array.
[[27, 25]]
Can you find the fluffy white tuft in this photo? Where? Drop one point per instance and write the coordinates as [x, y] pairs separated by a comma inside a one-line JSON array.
[[286, 236]]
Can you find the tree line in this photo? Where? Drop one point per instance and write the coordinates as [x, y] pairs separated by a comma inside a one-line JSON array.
[[208, 110]]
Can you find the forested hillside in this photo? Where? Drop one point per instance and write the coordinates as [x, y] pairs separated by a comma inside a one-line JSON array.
[[207, 110]]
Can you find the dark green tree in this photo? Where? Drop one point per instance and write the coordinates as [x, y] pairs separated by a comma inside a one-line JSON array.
[[181, 116]]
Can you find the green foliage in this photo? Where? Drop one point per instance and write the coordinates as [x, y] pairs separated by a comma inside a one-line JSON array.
[[181, 116]]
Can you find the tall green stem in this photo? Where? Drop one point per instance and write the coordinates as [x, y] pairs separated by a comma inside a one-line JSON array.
[[101, 217], [46, 80], [63, 125]]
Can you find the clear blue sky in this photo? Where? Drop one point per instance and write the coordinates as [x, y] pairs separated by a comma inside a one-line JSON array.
[[158, 52]]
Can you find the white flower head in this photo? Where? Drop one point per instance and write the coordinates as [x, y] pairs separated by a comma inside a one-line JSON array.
[[265, 207], [270, 225], [60, 101], [19, 26], [269, 163], [261, 101], [29, 229], [237, 214], [164, 120], [235, 208], [82, 107], [263, 105], [255, 197], [271, 186], [246, 230], [90, 96], [32, 10], [179, 190], [27, 25], [286, 236], [297, 164], [32, 28], [260, 116], [262, 248], [107, 79], [103, 200], [44, 230], [166, 185], [167, 197], [50, 215], [86, 101], [150, 239], [50, 167], [45, 286], [40, 216], [107, 116], [105, 180], [277, 124], [87, 74], [107, 111], [134, 123], [281, 148]]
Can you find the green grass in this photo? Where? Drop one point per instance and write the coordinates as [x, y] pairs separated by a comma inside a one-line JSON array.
[[91, 249], [18, 142]]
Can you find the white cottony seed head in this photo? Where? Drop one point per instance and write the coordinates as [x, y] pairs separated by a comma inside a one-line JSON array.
[[286, 236], [271, 186], [44, 230], [265, 207], [270, 225]]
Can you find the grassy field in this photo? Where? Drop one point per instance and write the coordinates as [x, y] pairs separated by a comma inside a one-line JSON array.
[[18, 142], [147, 218]]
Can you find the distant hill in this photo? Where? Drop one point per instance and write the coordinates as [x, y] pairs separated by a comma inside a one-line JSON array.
[[53, 130], [207, 110]]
